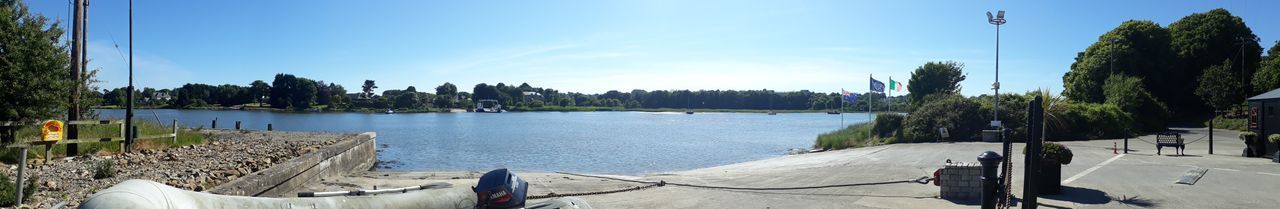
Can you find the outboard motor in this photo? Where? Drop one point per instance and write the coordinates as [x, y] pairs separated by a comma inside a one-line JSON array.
[[500, 189]]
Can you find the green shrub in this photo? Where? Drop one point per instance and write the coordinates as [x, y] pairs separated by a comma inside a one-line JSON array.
[[1054, 152], [1083, 121], [962, 117], [1129, 95], [1248, 136], [1221, 122], [888, 124], [1274, 138], [7, 189], [104, 169]]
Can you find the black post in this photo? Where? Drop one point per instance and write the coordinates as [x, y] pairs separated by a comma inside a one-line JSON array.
[[1031, 178], [990, 161], [129, 147], [237, 125], [269, 127], [215, 124], [1215, 115]]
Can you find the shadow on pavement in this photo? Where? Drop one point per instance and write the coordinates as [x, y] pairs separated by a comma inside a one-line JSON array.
[[1080, 195], [1137, 201], [970, 201]]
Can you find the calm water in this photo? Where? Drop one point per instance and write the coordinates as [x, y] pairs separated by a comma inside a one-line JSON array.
[[599, 142]]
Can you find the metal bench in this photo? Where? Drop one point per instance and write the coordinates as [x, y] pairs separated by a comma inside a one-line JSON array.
[[1170, 139]]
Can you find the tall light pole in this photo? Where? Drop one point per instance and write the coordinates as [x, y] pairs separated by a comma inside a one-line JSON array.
[[1006, 170], [997, 20]]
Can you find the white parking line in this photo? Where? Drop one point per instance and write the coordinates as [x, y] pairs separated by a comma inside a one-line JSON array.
[[1225, 169], [1265, 173], [1090, 170]]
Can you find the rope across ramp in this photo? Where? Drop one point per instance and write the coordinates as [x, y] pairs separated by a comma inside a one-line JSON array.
[[651, 184]]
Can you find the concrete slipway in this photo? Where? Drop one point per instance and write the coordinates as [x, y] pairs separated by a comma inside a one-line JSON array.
[[1095, 179]]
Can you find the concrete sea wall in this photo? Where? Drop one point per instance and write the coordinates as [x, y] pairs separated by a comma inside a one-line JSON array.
[[358, 154]]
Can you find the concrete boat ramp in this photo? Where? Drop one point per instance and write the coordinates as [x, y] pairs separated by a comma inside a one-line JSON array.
[[880, 177]]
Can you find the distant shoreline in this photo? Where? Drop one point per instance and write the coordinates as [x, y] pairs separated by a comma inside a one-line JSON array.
[[519, 109]]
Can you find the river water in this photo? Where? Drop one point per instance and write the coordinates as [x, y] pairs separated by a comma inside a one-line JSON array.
[[626, 143]]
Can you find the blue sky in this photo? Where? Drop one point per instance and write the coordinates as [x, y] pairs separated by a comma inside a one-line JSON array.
[[596, 46]]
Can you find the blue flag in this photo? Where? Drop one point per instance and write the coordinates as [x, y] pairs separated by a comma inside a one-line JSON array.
[[849, 97], [877, 86]]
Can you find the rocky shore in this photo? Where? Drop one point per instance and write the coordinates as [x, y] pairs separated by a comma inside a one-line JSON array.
[[226, 155]]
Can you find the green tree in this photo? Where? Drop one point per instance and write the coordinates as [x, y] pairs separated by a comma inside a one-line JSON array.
[[366, 90], [407, 100], [446, 95], [1127, 93], [1268, 76], [1217, 83], [934, 78], [1137, 48], [259, 90], [1204, 40], [288, 91], [33, 66]]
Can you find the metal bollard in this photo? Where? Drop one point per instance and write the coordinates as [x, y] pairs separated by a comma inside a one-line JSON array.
[[990, 181], [269, 127], [237, 125], [215, 124]]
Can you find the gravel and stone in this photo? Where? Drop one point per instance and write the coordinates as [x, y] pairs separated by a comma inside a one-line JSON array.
[[226, 155]]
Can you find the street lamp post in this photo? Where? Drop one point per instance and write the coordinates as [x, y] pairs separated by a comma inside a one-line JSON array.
[[997, 20], [1006, 170]]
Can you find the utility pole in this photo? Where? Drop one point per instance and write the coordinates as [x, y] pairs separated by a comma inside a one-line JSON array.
[[77, 66], [128, 111]]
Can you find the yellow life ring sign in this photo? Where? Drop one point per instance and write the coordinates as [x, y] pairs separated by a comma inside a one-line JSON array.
[[52, 130]]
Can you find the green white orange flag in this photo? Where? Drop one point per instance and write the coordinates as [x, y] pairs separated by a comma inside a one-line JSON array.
[[896, 86]]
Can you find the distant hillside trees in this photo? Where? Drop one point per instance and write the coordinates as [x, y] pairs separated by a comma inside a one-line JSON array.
[[291, 92]]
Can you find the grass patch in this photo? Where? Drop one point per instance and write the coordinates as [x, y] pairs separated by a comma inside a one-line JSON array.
[[31, 133], [854, 136]]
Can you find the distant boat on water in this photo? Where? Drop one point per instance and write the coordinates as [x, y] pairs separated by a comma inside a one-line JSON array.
[[389, 111], [834, 112], [489, 106]]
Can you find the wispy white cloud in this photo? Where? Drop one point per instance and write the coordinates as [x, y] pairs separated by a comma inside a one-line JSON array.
[[149, 70]]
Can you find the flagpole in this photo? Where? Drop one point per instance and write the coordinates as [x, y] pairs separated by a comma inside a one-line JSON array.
[[841, 110], [892, 85]]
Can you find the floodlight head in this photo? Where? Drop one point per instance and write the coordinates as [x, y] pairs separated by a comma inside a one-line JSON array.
[[1000, 14], [989, 18]]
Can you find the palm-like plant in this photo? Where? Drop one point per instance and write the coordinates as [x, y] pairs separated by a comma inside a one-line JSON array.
[[1052, 106]]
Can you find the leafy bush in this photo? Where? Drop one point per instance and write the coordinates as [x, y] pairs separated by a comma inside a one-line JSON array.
[[1274, 138], [1248, 136], [1220, 122], [104, 169], [888, 124], [1082, 121], [7, 189], [1054, 152], [962, 117], [1129, 95]]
